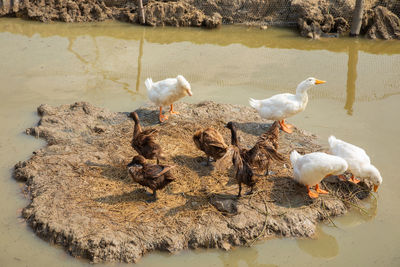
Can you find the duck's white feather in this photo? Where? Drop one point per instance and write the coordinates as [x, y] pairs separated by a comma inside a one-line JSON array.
[[282, 106], [166, 92], [279, 107], [311, 168], [357, 159]]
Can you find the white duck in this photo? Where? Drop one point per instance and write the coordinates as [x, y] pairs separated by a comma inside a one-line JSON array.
[[166, 92], [311, 168], [358, 161], [281, 106]]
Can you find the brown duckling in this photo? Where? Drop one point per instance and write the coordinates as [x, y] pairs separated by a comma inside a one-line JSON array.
[[144, 141], [153, 176], [263, 152], [244, 173], [211, 142]]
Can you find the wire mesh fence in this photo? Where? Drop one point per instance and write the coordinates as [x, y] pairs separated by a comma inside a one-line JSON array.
[[284, 11]]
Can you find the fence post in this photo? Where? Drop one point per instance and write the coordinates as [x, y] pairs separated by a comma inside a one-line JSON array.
[[141, 13], [357, 18]]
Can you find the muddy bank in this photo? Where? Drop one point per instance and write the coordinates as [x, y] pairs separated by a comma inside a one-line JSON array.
[[327, 18], [83, 199], [314, 18]]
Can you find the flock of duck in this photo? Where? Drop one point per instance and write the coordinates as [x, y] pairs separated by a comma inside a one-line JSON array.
[[308, 169]]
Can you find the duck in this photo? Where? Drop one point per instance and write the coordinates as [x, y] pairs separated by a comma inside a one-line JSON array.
[[143, 141], [282, 106], [310, 169], [153, 176], [166, 92], [211, 142], [358, 161], [243, 172], [263, 152]]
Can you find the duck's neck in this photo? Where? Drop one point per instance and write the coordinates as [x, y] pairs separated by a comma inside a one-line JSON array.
[[234, 139], [301, 93], [137, 130]]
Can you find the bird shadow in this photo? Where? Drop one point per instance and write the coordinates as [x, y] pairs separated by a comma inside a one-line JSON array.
[[148, 117], [114, 173], [288, 193], [137, 195], [254, 128], [197, 164], [193, 202]]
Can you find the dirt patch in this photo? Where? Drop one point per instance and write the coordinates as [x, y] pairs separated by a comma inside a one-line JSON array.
[[83, 199]]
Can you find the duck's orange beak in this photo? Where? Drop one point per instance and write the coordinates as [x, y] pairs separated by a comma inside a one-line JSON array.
[[376, 187], [189, 92], [319, 81]]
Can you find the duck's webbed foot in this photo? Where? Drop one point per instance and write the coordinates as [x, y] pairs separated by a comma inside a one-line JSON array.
[[162, 117], [319, 190], [311, 194], [285, 127], [354, 180], [172, 110]]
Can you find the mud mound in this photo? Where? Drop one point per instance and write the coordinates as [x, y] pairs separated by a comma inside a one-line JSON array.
[[83, 199], [381, 23], [62, 10]]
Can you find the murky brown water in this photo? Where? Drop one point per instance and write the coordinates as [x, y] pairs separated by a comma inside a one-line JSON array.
[[107, 63]]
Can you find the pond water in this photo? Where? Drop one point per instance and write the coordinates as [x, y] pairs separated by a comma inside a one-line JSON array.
[[107, 63]]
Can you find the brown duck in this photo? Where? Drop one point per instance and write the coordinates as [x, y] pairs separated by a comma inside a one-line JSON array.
[[211, 142], [244, 173], [263, 152], [144, 141], [153, 176]]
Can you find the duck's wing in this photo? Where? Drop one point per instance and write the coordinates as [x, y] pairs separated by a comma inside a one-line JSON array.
[[350, 152], [213, 138], [150, 131], [280, 105], [153, 171], [271, 135], [147, 136]]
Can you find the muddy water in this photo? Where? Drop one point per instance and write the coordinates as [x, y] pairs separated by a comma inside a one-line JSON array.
[[107, 63]]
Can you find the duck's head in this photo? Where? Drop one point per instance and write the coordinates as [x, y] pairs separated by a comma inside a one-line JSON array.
[[134, 116], [308, 83], [184, 85], [231, 125], [373, 175], [138, 161]]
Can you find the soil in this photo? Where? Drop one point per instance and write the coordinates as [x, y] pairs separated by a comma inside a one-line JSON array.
[[381, 23], [83, 199], [314, 18]]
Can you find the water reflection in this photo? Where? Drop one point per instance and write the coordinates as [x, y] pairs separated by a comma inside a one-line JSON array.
[[364, 212], [139, 64], [325, 246], [248, 255], [94, 66], [351, 78]]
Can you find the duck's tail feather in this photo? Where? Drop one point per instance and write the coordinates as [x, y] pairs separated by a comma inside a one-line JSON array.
[[294, 156], [331, 140], [148, 83], [254, 103]]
